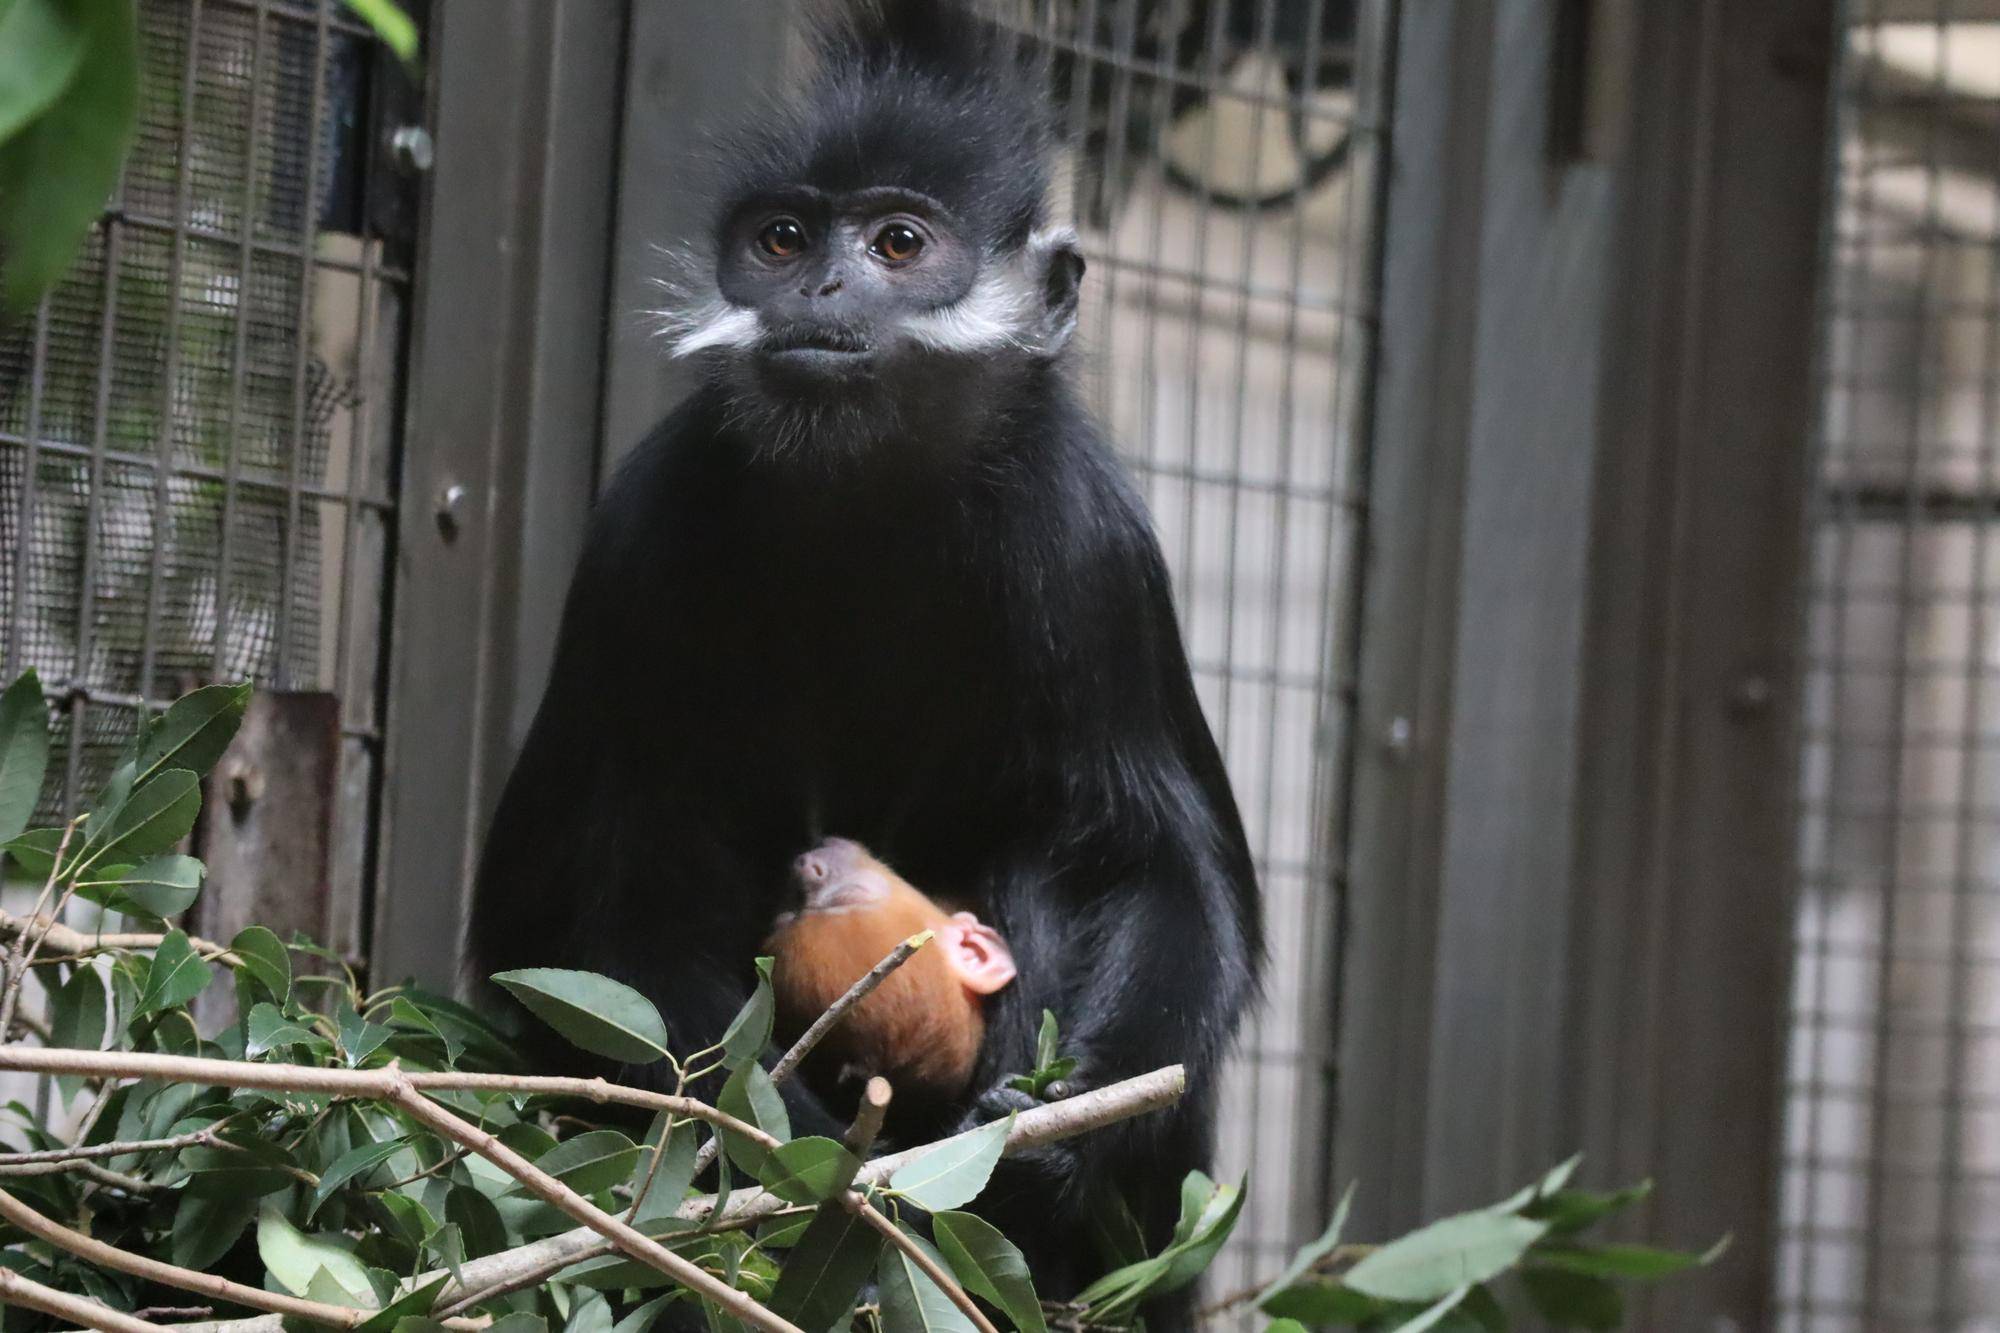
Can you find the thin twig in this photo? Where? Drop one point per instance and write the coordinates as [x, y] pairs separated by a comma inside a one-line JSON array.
[[376, 1084], [800, 1049], [174, 1312], [17, 970], [32, 1295], [1326, 1263], [95, 1251], [78, 944], [203, 1137], [546, 1187]]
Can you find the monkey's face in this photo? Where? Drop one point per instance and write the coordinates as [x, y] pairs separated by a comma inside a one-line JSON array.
[[843, 318], [839, 876]]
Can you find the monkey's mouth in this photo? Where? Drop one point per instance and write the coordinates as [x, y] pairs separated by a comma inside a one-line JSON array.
[[821, 348]]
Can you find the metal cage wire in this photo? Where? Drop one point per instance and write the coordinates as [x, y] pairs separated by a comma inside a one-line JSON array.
[[1221, 166], [1890, 1206], [197, 424]]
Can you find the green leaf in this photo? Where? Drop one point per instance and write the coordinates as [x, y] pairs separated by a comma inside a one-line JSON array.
[[750, 1095], [178, 975], [1323, 1303], [809, 1170], [911, 1302], [602, 1016], [1312, 1251], [390, 23], [81, 1012], [262, 954], [157, 816], [350, 1164], [242, 1166], [405, 1014], [59, 171], [35, 851], [825, 1269], [987, 1264], [1432, 1262], [670, 1183], [359, 1038], [410, 1307], [293, 1258], [750, 1031], [642, 1318], [1573, 1300], [206, 1227], [41, 45], [1113, 1229], [1570, 1211], [1639, 1262], [591, 1161], [477, 1219], [1284, 1326], [518, 1322], [24, 716], [952, 1174], [267, 1030], [1045, 1041], [159, 886], [1214, 1218], [1435, 1315], [331, 1290], [194, 732]]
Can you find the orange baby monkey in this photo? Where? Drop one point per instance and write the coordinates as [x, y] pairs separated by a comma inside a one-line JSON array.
[[921, 1028]]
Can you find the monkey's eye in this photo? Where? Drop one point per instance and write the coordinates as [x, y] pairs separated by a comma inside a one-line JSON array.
[[898, 243], [782, 238]]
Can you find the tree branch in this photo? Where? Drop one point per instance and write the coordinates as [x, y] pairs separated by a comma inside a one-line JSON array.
[[59, 1157], [74, 943], [32, 1295]]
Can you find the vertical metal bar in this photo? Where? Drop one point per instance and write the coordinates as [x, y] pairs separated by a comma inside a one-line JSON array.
[[1279, 582], [1835, 518], [1118, 125], [1204, 208], [1249, 220], [357, 460], [308, 273], [31, 456], [163, 448], [240, 351], [1883, 1106]]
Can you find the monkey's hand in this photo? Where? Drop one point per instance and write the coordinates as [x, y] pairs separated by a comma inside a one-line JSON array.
[[1055, 1163]]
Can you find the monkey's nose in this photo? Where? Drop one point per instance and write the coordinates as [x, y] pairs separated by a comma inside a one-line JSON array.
[[812, 867]]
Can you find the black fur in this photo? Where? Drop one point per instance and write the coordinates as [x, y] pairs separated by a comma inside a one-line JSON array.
[[955, 644]]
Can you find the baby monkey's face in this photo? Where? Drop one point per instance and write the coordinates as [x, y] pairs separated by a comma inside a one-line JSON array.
[[838, 876]]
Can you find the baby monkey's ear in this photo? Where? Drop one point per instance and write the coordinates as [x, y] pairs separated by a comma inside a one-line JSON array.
[[976, 953]]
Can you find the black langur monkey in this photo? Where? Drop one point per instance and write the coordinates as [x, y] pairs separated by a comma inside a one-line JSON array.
[[880, 576]]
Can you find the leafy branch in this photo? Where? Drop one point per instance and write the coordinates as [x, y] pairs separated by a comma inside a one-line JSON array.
[[69, 107]]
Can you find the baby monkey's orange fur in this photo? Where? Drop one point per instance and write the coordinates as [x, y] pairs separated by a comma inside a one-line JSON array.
[[921, 1028]]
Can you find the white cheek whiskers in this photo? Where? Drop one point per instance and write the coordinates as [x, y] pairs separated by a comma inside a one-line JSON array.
[[716, 326]]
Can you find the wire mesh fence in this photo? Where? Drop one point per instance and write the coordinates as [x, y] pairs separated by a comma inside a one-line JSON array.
[[197, 424], [1890, 1211], [1221, 169]]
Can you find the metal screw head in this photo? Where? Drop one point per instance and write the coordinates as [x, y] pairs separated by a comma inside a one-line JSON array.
[[1751, 695], [412, 148], [1397, 738], [451, 501]]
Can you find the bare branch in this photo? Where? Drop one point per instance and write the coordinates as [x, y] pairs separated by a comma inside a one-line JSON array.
[[377, 1084], [59, 1156], [74, 943], [32, 1295]]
